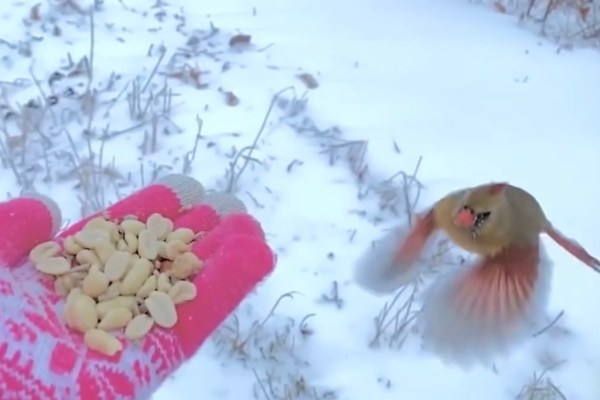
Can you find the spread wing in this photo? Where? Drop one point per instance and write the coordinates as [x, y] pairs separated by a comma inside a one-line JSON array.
[[392, 261], [485, 310]]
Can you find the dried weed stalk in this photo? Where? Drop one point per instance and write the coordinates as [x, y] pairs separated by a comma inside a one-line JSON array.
[[567, 22], [244, 155], [395, 319], [56, 136], [334, 146], [289, 387], [351, 151], [399, 194], [541, 387], [272, 349]]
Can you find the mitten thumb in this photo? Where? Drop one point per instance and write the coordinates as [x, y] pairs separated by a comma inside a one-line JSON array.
[[26, 221]]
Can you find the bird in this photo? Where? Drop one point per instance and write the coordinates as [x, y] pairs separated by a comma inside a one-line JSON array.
[[481, 311]]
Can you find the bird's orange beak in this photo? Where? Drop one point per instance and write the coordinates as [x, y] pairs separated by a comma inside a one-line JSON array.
[[465, 218]]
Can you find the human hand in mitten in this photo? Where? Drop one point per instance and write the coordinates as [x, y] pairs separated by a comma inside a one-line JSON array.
[[41, 357]]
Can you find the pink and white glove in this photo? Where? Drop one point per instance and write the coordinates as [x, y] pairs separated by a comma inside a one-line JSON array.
[[41, 358]]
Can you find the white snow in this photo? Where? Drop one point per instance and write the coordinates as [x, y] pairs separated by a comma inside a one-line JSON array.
[[465, 88]]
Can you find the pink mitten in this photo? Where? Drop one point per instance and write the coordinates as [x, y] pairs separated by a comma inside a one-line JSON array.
[[41, 358]]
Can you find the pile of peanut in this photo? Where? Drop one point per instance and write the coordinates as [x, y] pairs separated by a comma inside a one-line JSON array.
[[128, 275]]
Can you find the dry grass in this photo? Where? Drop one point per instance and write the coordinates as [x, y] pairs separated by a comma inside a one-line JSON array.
[[272, 348], [567, 22], [60, 136], [541, 387]]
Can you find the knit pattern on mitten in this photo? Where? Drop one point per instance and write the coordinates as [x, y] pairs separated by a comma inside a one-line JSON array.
[[40, 358]]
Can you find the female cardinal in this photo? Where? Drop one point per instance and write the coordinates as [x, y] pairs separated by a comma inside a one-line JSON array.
[[481, 311]]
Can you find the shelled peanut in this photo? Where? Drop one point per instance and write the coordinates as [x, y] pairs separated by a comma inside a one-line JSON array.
[[124, 276]]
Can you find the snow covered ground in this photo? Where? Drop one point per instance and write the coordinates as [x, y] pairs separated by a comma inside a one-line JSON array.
[[474, 95]]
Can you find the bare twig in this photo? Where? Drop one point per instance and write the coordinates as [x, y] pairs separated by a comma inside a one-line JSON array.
[[397, 317], [234, 175], [541, 387], [550, 325], [334, 296], [158, 62], [190, 156], [92, 51]]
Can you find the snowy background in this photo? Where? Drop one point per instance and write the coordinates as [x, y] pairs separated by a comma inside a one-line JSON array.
[[331, 120]]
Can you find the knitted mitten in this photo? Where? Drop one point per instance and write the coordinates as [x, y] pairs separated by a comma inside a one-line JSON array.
[[41, 358]]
